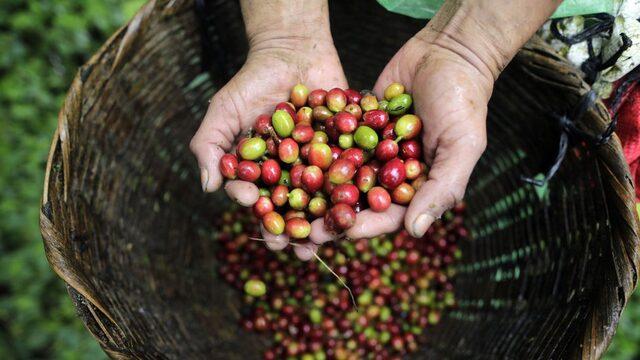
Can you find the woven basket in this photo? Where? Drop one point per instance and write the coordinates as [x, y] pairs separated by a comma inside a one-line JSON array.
[[126, 226]]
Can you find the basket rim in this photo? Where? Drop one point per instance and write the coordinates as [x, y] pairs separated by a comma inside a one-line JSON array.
[[124, 40]]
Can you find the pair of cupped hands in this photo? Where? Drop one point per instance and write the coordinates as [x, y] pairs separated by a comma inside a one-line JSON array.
[[450, 86]]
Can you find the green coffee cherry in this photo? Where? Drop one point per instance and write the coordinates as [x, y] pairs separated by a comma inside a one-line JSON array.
[[383, 105], [252, 148], [285, 178], [282, 123], [255, 288], [399, 104], [366, 138], [345, 141]]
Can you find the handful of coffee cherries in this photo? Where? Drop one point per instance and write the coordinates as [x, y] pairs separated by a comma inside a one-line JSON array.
[[330, 154]]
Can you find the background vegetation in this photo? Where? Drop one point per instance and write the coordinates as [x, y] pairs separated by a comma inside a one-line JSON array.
[[42, 43]]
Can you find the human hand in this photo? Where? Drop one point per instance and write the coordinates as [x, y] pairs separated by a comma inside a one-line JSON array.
[[450, 67], [296, 51]]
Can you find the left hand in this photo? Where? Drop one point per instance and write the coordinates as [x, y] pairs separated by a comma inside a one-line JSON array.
[[450, 67]]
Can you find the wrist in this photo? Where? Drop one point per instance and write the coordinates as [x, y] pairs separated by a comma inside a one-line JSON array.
[[285, 24], [485, 34]]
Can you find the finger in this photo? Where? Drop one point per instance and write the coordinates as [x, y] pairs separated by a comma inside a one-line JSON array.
[[319, 234], [215, 136], [274, 242], [446, 183], [371, 224], [242, 192], [305, 251]]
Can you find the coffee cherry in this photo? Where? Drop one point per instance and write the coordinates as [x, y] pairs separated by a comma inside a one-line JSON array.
[[345, 122], [399, 104], [341, 171], [282, 123], [345, 141], [320, 137], [299, 95], [336, 100], [392, 174], [335, 152], [304, 151], [248, 171], [298, 228], [345, 194], [321, 113], [383, 105], [320, 155], [294, 214], [304, 116], [368, 103], [331, 129], [419, 181], [340, 217], [296, 175], [298, 199], [354, 110], [365, 178], [376, 119], [264, 192], [366, 138], [273, 223], [252, 148], [410, 149], [318, 206], [386, 150], [255, 288], [288, 151], [388, 132], [262, 124], [272, 147], [312, 179], [378, 199], [413, 168], [229, 166], [286, 106], [403, 194], [270, 172], [262, 206], [355, 155], [316, 97], [408, 127], [285, 178], [279, 195], [353, 96], [393, 90], [302, 133], [327, 185]]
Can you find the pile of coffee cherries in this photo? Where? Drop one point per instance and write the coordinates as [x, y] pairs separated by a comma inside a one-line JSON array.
[[330, 154], [401, 285]]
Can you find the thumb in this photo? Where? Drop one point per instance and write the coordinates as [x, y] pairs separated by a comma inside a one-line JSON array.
[[216, 134], [447, 180]]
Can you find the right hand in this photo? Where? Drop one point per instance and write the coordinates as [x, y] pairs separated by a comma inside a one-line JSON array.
[[273, 66]]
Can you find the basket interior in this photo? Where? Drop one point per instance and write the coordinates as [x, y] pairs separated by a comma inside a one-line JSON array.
[[135, 231]]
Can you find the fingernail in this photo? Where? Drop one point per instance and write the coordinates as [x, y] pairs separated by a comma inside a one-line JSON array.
[[421, 224], [204, 179]]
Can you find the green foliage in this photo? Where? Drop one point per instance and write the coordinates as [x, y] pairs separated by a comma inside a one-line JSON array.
[[42, 43]]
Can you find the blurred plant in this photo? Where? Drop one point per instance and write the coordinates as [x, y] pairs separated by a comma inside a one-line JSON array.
[[42, 44]]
